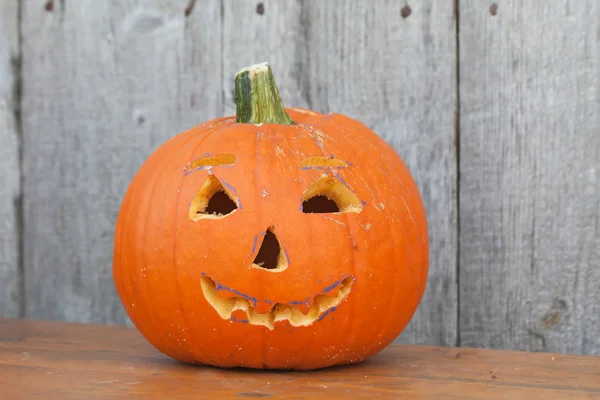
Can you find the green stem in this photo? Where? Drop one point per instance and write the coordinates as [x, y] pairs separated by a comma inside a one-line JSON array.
[[257, 97]]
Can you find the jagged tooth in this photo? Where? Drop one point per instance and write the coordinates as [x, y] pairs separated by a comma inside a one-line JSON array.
[[299, 319], [304, 308], [324, 302], [266, 319], [281, 312]]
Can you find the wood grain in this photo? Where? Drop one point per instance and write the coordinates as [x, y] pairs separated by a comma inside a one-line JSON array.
[[73, 361], [105, 84], [397, 75], [529, 176], [10, 174]]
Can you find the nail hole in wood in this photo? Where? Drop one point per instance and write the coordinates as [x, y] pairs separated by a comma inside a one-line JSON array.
[[189, 7], [405, 11]]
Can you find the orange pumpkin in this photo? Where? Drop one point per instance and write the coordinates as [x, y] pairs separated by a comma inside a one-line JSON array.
[[283, 238]]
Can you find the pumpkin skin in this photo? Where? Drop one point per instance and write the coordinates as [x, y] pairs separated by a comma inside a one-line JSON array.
[[161, 254]]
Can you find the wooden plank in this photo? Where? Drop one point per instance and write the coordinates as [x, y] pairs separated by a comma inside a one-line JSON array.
[[10, 175], [394, 70], [529, 175], [38, 359], [106, 83]]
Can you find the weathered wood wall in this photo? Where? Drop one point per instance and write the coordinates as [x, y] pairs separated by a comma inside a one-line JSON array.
[[10, 174], [493, 107], [529, 175], [104, 83]]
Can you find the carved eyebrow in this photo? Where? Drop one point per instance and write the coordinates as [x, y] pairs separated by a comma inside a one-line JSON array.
[[211, 161], [322, 161]]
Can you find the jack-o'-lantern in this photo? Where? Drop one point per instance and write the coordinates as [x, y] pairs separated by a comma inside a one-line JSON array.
[[278, 238]]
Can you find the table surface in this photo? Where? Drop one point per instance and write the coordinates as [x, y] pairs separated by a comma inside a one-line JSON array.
[[72, 361]]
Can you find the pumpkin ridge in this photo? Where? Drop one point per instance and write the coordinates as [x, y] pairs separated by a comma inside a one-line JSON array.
[[153, 318], [350, 325], [351, 135], [212, 130], [256, 177]]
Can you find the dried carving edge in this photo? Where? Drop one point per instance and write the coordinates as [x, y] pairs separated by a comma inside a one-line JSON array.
[[213, 201], [333, 190], [280, 312], [208, 162]]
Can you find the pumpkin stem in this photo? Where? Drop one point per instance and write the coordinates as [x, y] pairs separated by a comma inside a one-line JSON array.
[[257, 97]]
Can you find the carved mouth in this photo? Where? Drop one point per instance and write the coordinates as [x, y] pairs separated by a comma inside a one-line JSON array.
[[321, 306]]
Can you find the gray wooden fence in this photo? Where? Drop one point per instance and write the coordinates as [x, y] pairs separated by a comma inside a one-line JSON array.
[[494, 107]]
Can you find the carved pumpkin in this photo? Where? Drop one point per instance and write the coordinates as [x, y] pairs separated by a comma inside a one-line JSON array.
[[273, 239]]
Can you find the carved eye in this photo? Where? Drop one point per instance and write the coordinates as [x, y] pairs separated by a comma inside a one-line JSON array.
[[213, 201], [329, 195]]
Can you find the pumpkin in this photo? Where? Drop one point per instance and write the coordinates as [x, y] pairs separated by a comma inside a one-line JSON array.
[[276, 238]]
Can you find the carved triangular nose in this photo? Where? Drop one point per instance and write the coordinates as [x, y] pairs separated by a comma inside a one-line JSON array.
[[271, 255]]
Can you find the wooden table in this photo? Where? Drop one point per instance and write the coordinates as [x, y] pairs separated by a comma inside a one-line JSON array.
[[73, 361]]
